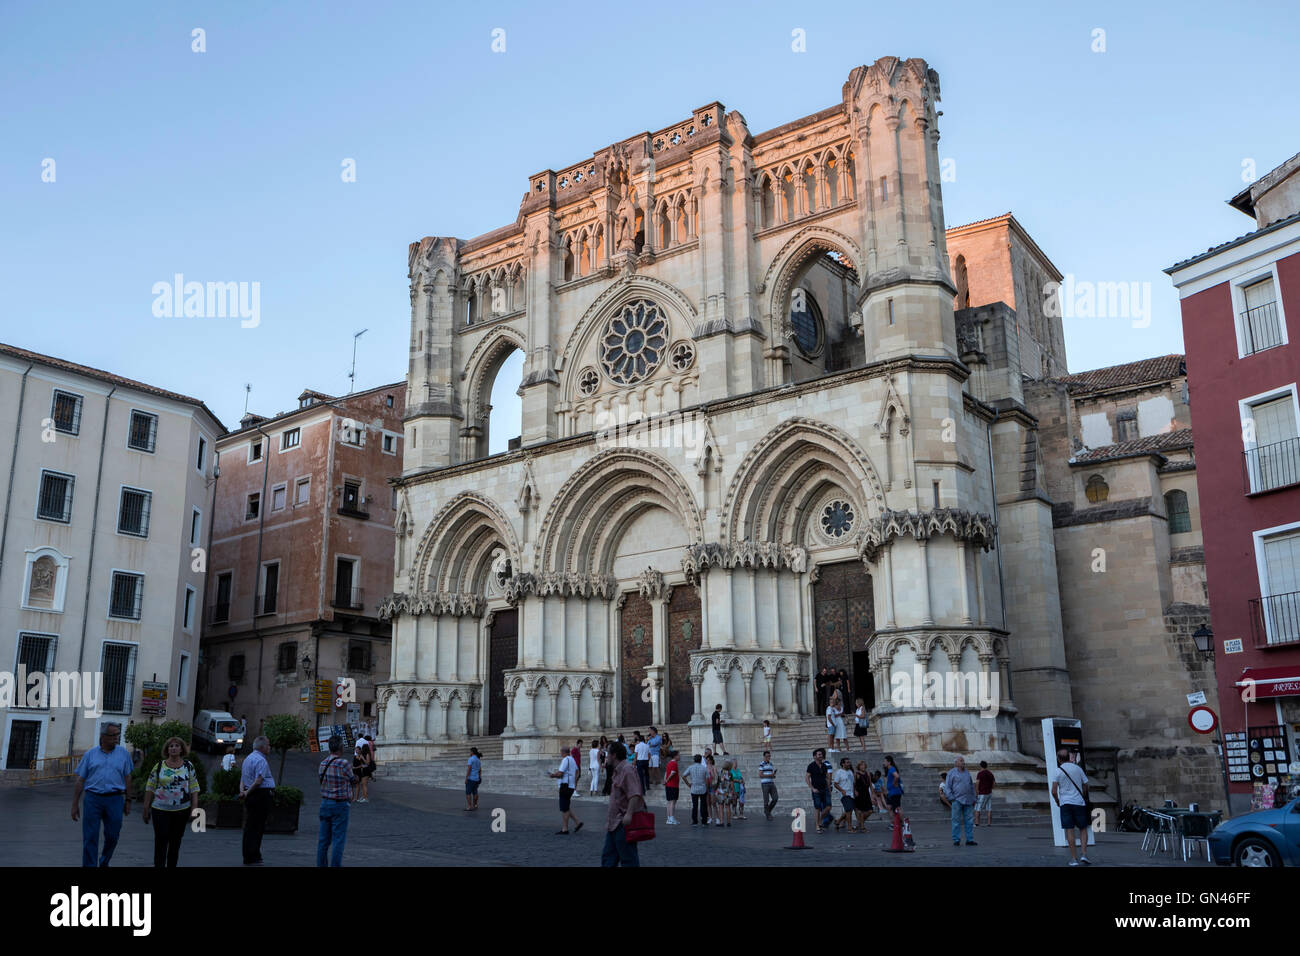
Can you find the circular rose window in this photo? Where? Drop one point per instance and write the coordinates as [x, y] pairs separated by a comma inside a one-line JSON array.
[[837, 519], [634, 342]]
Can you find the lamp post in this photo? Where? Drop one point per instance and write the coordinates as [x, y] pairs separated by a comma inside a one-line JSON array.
[[1204, 639]]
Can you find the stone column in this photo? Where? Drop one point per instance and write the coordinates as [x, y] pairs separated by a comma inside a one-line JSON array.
[[751, 639], [510, 714], [696, 684], [582, 603], [771, 696], [704, 613], [749, 693], [888, 566], [445, 735], [553, 726], [965, 582], [927, 612], [576, 726], [402, 704], [531, 694]]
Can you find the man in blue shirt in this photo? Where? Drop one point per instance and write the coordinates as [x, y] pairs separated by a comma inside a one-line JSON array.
[[255, 786], [961, 793], [104, 774], [655, 742], [473, 776]]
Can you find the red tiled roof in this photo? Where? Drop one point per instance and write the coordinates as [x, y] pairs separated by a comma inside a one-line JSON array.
[[1151, 444], [1132, 373], [66, 366]]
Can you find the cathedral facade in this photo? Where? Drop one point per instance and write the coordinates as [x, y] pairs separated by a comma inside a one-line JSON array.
[[757, 440]]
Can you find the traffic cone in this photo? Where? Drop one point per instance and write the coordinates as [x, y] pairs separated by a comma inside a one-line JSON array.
[[896, 846], [797, 844]]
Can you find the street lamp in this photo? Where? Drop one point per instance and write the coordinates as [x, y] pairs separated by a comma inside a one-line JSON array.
[[306, 664], [1204, 638]]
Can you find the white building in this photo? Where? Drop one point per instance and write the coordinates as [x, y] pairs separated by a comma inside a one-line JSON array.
[[105, 487]]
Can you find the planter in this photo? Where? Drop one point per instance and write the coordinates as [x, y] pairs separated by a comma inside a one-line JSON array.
[[225, 814], [283, 819]]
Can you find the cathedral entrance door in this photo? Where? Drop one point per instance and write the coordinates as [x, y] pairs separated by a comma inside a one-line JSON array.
[[636, 653], [845, 619], [683, 637], [503, 654]]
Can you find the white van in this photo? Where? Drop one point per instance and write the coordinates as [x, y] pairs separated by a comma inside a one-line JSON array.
[[215, 730]]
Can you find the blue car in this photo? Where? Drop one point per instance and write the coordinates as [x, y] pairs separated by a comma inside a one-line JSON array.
[[1262, 838]]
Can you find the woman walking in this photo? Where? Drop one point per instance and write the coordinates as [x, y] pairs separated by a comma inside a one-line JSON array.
[[842, 780], [860, 724], [893, 785], [836, 714], [725, 794], [171, 796], [862, 794], [595, 760], [361, 769]]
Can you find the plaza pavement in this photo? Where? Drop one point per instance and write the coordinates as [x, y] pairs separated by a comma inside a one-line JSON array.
[[407, 824]]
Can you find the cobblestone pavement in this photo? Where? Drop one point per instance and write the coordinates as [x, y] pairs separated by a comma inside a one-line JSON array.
[[410, 825]]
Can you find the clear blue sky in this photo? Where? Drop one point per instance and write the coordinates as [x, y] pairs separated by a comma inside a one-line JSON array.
[[225, 165]]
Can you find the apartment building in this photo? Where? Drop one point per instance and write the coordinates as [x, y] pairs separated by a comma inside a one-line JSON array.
[[1240, 303], [107, 499], [302, 554]]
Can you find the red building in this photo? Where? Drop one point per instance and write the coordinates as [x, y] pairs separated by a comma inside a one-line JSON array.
[[1241, 329]]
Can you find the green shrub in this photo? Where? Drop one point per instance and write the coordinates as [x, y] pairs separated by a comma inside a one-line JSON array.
[[283, 796], [225, 784], [148, 737], [286, 732]]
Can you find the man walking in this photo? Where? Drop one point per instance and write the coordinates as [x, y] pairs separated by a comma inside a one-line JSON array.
[[643, 762], [1070, 792], [336, 780], [697, 777], [104, 775], [255, 785], [961, 794], [568, 777], [767, 779], [817, 776], [984, 794], [717, 730], [655, 742], [625, 799]]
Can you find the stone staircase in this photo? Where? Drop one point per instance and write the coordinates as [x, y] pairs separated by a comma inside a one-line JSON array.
[[1020, 798]]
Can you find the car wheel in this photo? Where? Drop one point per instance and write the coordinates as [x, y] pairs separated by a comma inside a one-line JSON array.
[[1254, 851]]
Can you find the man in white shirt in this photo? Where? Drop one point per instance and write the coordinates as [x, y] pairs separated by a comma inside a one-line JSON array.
[[228, 761], [643, 762], [1070, 791], [568, 777]]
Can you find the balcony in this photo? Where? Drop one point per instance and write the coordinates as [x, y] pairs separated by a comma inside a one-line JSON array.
[[219, 613], [349, 599], [1275, 620], [1260, 328], [1272, 466], [267, 603], [353, 512]]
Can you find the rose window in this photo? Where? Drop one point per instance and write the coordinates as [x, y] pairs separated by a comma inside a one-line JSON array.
[[588, 381], [634, 342], [837, 519], [682, 356]]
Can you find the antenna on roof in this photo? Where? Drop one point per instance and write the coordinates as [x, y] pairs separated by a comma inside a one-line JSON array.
[[352, 376], [248, 387]]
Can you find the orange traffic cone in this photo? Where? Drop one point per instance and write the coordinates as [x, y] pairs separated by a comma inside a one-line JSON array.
[[897, 845]]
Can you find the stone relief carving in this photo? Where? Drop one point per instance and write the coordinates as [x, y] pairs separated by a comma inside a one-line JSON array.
[[957, 523]]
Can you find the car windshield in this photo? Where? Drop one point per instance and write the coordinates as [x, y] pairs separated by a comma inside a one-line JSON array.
[[228, 727]]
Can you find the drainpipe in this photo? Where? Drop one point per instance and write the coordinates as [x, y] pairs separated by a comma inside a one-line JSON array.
[[13, 465], [90, 560], [212, 525], [257, 573]]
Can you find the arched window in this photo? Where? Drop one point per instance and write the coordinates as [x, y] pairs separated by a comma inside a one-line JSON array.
[[665, 230], [810, 188], [568, 260], [682, 232], [806, 323], [962, 281], [768, 194], [584, 255], [787, 195], [833, 181], [471, 305], [1097, 489], [884, 189], [1180, 516]]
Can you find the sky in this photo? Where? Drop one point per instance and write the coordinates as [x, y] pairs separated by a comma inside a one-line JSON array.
[[1115, 150]]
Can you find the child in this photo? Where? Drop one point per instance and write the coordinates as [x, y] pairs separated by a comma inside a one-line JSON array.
[[738, 787], [878, 791], [767, 735]]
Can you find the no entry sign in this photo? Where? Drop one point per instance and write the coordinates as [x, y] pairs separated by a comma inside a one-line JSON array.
[[1202, 719]]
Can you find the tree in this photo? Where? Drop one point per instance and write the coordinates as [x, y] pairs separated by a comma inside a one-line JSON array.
[[285, 732]]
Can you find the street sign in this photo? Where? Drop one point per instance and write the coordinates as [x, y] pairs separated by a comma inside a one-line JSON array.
[[1197, 698], [1202, 720], [153, 699], [1233, 646]]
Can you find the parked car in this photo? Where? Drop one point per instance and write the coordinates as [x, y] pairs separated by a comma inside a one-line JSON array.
[[1262, 838], [215, 730]]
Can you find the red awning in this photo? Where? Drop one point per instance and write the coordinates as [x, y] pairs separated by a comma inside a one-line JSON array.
[[1272, 681]]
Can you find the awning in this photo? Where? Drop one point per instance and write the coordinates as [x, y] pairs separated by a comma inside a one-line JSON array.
[[1272, 681]]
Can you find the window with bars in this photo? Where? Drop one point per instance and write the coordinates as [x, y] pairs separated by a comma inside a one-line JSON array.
[[35, 654], [66, 412], [1176, 508], [118, 668], [56, 497], [290, 439], [359, 657], [133, 515], [288, 657], [144, 432], [127, 596], [1259, 324]]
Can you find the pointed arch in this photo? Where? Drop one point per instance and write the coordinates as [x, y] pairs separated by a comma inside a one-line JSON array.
[[456, 534]]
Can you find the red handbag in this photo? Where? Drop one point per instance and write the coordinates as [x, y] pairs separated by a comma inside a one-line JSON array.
[[641, 828]]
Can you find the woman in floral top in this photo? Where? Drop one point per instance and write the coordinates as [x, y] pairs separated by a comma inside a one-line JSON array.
[[171, 796]]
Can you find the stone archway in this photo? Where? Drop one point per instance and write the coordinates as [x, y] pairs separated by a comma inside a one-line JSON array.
[[844, 621], [684, 633]]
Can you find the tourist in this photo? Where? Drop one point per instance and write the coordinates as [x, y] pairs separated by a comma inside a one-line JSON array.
[[717, 729], [835, 721], [943, 790], [822, 682], [604, 750], [984, 794], [336, 780], [878, 792], [724, 792], [697, 778], [738, 789], [654, 742], [595, 758], [845, 690], [104, 775], [576, 753], [715, 813], [767, 735], [642, 750], [473, 777], [961, 791], [625, 799], [255, 785], [860, 724], [360, 764], [862, 793], [842, 781], [568, 779], [671, 783], [893, 785], [817, 777], [170, 797], [767, 781], [228, 761], [1070, 793]]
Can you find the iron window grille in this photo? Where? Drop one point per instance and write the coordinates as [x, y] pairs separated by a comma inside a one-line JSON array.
[[35, 655], [359, 657], [127, 596], [133, 515], [254, 505], [144, 432], [66, 412], [288, 657], [56, 497], [118, 668]]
